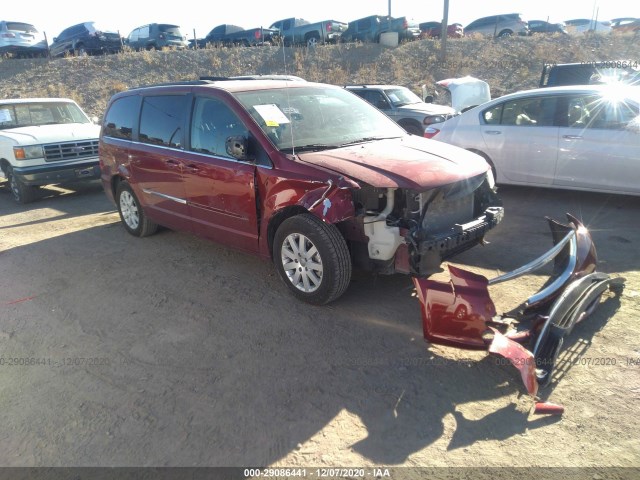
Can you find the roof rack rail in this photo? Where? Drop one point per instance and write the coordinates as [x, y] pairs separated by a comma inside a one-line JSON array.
[[169, 84], [290, 78]]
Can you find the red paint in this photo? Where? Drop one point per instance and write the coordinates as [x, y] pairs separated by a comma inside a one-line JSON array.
[[520, 357], [25, 299], [398, 163], [548, 408], [456, 313]]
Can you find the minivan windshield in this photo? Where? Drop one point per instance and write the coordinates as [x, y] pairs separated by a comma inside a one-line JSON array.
[[316, 117], [14, 115]]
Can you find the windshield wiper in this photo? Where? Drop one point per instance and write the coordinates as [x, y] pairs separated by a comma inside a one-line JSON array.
[[364, 140], [312, 147]]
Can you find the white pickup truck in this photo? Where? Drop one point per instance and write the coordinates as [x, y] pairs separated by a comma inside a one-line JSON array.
[[46, 141]]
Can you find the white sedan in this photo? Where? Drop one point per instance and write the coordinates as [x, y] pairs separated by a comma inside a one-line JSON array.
[[579, 137]]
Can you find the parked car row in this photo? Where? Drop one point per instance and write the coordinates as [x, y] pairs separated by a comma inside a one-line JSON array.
[[20, 39]]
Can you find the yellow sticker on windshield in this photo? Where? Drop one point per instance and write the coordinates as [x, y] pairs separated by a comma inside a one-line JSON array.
[[272, 123]]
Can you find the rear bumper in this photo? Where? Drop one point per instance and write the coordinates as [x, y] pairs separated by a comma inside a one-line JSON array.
[[24, 50], [58, 173]]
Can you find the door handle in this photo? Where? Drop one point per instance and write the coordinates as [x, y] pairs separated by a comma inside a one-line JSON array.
[[172, 164], [192, 168], [493, 132], [572, 137]]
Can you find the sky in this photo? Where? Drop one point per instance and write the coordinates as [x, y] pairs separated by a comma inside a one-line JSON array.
[[124, 15]]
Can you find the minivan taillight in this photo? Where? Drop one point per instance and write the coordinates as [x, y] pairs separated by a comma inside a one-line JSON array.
[[405, 24], [257, 34], [328, 27]]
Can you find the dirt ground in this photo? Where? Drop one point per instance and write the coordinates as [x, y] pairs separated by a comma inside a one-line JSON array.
[[174, 351]]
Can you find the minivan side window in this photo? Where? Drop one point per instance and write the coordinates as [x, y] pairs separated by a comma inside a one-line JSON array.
[[121, 117], [213, 122], [162, 120]]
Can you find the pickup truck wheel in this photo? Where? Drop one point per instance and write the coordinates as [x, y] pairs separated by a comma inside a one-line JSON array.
[[80, 51], [313, 40], [312, 259], [505, 33], [21, 193], [131, 214]]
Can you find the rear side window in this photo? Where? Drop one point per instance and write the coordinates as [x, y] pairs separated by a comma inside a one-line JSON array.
[[121, 118], [162, 120], [21, 27]]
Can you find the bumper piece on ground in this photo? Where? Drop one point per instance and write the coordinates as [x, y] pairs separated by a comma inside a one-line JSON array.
[[460, 312]]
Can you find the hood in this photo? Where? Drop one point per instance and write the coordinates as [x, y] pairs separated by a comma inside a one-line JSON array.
[[42, 134], [409, 162], [466, 92], [427, 109]]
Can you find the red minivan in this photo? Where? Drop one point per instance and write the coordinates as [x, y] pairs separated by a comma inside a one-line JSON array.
[[306, 174]]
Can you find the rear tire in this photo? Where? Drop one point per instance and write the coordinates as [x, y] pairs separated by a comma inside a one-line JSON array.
[[132, 216], [312, 259], [313, 41]]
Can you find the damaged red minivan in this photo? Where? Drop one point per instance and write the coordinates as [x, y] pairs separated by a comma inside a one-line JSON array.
[[309, 175]]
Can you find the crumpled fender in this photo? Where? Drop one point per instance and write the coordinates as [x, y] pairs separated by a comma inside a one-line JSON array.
[[331, 202]]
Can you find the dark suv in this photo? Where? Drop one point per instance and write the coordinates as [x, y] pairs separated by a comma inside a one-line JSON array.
[[156, 36], [306, 174], [369, 29], [85, 39]]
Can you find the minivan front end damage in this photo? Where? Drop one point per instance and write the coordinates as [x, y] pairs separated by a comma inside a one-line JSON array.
[[461, 313], [409, 231]]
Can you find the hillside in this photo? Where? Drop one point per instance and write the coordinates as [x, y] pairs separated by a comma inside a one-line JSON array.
[[506, 64]]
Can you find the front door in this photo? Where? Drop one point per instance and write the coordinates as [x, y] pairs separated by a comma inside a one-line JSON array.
[[220, 188]]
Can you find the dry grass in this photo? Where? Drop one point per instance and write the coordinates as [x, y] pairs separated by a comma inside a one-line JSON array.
[[507, 64]]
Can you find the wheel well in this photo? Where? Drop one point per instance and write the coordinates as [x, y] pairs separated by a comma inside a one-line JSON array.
[[4, 163], [409, 122], [489, 161], [311, 34], [505, 32], [277, 220], [115, 181]]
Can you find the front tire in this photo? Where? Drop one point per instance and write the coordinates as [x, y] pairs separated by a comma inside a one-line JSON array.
[[131, 214], [312, 259], [21, 193]]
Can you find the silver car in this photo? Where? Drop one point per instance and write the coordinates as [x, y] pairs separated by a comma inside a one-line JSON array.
[[21, 39], [504, 25], [579, 137]]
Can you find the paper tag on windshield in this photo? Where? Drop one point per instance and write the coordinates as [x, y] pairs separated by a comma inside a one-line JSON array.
[[271, 115]]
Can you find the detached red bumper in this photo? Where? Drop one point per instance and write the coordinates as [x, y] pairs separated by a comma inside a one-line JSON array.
[[460, 312]]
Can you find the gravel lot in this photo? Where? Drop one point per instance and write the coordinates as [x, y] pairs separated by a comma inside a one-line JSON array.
[[173, 351]]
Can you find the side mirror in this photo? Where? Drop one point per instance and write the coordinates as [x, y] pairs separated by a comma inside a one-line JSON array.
[[428, 99], [95, 120], [237, 146]]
